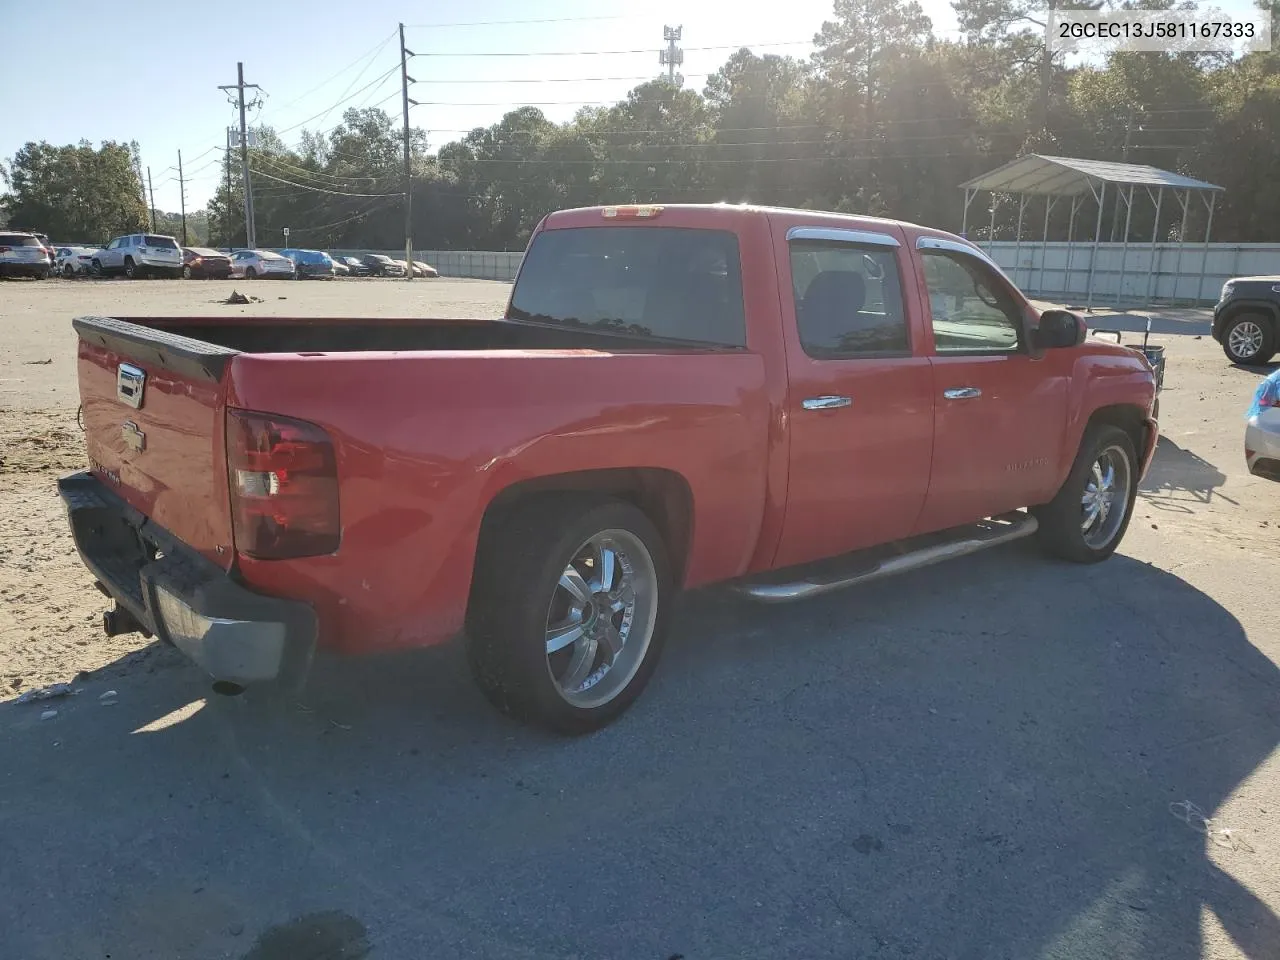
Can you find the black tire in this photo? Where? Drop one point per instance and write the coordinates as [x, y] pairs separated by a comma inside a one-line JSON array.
[[186, 272], [95, 267], [132, 270], [250, 273], [1062, 532], [68, 271], [1249, 350], [522, 557]]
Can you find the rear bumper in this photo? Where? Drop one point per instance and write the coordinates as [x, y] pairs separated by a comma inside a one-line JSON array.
[[232, 633], [1262, 449], [17, 269]]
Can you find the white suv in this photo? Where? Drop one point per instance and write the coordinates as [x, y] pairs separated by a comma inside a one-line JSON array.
[[140, 255], [21, 255]]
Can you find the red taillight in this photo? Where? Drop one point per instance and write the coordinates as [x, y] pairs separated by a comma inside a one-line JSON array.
[[5, 249], [284, 486]]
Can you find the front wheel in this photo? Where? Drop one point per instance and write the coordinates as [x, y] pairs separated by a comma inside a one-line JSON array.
[[1249, 339], [250, 273], [186, 273], [567, 614], [1088, 518], [68, 271], [131, 270]]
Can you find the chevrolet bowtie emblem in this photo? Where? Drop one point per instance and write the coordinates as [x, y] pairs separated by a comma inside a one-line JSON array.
[[134, 438]]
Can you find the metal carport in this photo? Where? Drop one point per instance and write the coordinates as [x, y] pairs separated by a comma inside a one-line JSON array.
[[1054, 178]]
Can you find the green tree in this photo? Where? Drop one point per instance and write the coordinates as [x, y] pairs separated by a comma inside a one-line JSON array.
[[75, 193]]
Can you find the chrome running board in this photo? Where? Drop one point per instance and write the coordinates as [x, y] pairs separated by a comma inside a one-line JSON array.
[[799, 583]]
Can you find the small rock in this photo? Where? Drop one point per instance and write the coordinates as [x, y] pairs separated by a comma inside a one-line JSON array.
[[236, 929], [1155, 526], [109, 695], [48, 714]]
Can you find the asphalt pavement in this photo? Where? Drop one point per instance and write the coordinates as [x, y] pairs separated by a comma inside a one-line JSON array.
[[1000, 757]]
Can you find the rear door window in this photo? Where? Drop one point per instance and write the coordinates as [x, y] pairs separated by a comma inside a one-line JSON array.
[[848, 300], [661, 282]]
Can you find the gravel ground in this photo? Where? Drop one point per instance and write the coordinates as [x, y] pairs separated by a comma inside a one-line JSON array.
[[1002, 758]]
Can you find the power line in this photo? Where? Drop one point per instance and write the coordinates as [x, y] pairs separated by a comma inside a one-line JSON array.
[[330, 109], [336, 193], [559, 79], [607, 53], [369, 54], [505, 23], [304, 172]]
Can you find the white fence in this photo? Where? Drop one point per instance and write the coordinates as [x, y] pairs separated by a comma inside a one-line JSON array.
[[1138, 274]]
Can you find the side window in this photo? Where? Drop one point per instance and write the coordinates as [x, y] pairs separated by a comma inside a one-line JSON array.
[[971, 309], [848, 300]]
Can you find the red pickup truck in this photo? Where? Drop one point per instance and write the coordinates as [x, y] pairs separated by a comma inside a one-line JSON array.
[[677, 396]]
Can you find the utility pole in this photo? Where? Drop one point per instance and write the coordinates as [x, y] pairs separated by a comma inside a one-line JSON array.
[[182, 198], [240, 86], [152, 194], [405, 80], [226, 211], [673, 56]]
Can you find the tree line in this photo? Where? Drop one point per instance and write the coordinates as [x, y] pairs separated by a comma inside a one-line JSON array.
[[885, 118]]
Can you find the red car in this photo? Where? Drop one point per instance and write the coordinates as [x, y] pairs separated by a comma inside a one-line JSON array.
[[676, 396], [205, 263]]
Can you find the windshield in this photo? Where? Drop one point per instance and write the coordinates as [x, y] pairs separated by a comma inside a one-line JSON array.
[[657, 282]]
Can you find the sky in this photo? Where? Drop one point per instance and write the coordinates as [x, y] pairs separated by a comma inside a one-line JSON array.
[[153, 75]]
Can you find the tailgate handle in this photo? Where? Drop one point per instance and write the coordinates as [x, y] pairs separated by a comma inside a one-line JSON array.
[[130, 383]]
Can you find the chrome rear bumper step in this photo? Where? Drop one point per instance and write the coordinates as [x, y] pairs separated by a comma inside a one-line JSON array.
[[799, 583]]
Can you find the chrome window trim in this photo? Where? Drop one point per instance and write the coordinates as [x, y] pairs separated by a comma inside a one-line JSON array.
[[954, 246], [866, 237]]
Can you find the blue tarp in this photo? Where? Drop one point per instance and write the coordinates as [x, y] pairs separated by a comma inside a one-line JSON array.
[[1267, 395]]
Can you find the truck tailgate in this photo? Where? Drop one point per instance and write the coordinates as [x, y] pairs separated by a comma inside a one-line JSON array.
[[153, 408]]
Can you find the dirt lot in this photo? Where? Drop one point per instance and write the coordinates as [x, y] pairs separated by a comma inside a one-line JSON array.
[[1006, 757]]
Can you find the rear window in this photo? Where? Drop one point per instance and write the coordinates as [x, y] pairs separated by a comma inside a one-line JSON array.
[[18, 240], [168, 242], [663, 282]]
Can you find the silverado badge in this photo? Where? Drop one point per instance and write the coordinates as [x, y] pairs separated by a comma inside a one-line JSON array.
[[134, 438]]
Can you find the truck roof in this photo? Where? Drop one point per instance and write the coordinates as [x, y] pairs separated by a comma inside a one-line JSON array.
[[727, 212]]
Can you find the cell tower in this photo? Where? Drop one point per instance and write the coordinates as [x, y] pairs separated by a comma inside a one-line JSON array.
[[673, 56]]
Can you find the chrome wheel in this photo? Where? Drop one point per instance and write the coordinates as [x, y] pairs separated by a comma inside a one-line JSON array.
[[601, 617], [1245, 339], [1106, 497]]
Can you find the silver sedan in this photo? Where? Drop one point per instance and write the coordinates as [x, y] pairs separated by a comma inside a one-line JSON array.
[[256, 264], [1262, 430]]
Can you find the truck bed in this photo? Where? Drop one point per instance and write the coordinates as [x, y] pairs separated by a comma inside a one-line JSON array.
[[345, 335]]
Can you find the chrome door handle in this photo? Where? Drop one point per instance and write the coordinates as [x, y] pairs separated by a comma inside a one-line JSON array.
[[962, 393], [826, 403]]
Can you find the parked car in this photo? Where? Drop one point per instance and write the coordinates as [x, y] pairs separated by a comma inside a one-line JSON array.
[[379, 265], [724, 393], [205, 263], [140, 255], [340, 269], [1246, 319], [74, 261], [49, 248], [421, 269], [356, 266], [310, 264], [265, 264], [22, 255], [1262, 430]]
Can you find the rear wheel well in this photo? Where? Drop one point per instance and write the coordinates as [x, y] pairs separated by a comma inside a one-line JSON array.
[[663, 495], [1132, 420]]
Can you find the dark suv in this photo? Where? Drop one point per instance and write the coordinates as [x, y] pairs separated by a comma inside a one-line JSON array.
[[1246, 319]]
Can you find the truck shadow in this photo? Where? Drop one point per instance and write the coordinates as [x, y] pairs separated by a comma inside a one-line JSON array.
[[1178, 478], [995, 758]]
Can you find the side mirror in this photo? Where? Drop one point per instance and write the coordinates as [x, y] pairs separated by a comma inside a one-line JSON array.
[[1059, 328]]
